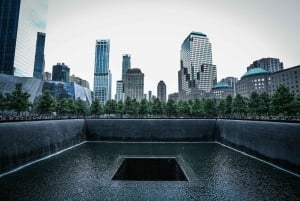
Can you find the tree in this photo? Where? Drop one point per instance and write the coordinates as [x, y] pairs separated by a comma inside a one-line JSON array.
[[3, 103], [46, 103], [18, 100], [143, 107], [253, 104], [184, 109], [65, 107], [228, 105], [221, 108], [171, 108], [120, 108], [110, 107], [80, 107], [197, 109], [95, 108], [239, 105], [157, 107], [210, 108], [128, 106], [281, 101], [264, 104]]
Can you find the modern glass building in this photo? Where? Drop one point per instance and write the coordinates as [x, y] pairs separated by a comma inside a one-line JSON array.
[[120, 91], [61, 72], [19, 23], [197, 74], [162, 91], [126, 64], [39, 61], [102, 74]]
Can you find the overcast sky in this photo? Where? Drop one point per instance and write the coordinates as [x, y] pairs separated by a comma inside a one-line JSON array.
[[152, 31]]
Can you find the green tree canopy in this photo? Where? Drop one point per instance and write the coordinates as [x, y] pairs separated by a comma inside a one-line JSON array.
[[80, 107], [3, 103], [253, 105], [210, 108], [95, 108], [18, 100], [171, 109], [221, 108], [110, 107], [228, 105], [239, 105], [143, 107], [281, 101], [46, 103]]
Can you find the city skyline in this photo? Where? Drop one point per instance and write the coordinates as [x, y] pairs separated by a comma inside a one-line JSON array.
[[152, 32]]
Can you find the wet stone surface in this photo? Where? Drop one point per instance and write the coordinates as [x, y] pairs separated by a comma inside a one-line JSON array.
[[214, 172]]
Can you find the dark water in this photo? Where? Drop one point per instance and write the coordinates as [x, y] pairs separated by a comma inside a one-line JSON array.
[[85, 172]]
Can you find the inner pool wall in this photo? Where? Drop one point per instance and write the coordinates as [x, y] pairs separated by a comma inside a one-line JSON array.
[[24, 142], [151, 129], [275, 142]]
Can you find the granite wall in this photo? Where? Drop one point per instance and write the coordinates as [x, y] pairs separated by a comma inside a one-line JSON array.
[[23, 142], [151, 129]]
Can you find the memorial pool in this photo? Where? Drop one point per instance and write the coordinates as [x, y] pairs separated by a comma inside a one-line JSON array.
[[214, 172]]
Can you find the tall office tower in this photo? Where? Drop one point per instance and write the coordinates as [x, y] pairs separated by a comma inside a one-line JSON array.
[[60, 72], [269, 64], [120, 91], [19, 23], [102, 75], [39, 61], [134, 84], [197, 74], [162, 91], [126, 64], [47, 76]]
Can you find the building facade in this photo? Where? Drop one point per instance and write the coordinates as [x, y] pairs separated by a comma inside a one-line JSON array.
[[126, 64], [221, 90], [231, 81], [61, 72], [20, 22], [269, 64], [120, 91], [47, 76], [256, 79], [79, 81], [39, 60], [102, 74], [197, 74], [134, 84], [289, 77], [162, 91]]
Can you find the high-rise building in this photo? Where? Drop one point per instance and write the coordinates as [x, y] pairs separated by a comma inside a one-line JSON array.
[[134, 84], [79, 81], [197, 74], [269, 64], [39, 61], [47, 76], [231, 81], [61, 72], [126, 64], [102, 74], [120, 91], [19, 23], [162, 91]]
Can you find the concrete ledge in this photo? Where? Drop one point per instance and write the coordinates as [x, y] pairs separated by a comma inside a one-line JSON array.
[[151, 129], [278, 143], [25, 142]]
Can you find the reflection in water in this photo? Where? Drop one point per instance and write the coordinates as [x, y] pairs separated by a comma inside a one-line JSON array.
[[85, 172]]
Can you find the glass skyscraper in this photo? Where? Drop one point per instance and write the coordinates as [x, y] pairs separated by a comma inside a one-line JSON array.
[[126, 64], [19, 23], [197, 74], [162, 91], [39, 61], [102, 75]]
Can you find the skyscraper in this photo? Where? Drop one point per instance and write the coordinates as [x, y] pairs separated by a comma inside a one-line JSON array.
[[126, 64], [102, 75], [197, 74], [134, 84], [162, 91], [19, 23], [269, 64], [39, 61], [120, 91], [61, 72]]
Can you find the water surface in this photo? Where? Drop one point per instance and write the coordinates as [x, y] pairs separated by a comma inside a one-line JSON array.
[[85, 172]]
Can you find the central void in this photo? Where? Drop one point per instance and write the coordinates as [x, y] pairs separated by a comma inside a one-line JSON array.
[[150, 169]]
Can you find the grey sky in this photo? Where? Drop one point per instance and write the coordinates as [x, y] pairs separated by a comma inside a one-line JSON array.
[[152, 32]]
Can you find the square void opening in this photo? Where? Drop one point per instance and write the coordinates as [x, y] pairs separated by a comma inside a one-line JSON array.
[[150, 169]]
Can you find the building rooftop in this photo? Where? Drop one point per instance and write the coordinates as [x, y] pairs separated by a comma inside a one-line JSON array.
[[221, 85], [134, 70], [198, 33], [255, 71]]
